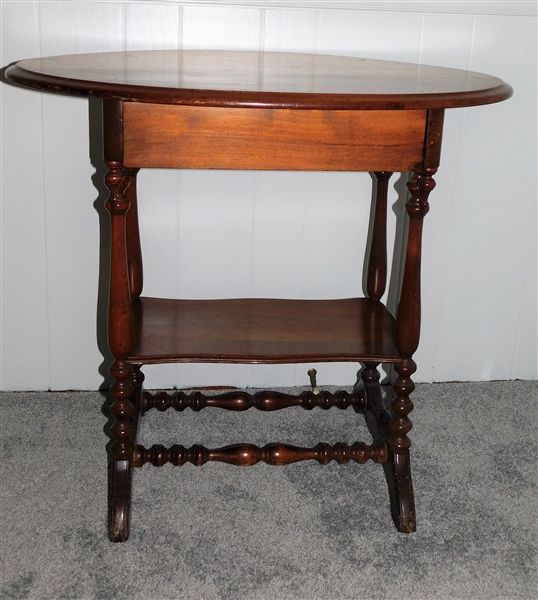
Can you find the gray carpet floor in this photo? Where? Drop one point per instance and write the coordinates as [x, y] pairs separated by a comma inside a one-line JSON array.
[[303, 531]]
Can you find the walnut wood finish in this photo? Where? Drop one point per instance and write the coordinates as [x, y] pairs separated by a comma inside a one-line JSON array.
[[250, 110], [246, 455], [264, 401], [397, 467], [120, 329], [260, 330], [192, 137], [120, 471], [377, 261], [134, 251], [259, 80]]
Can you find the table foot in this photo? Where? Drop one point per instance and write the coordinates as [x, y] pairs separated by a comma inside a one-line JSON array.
[[402, 499], [120, 469], [119, 498], [398, 467]]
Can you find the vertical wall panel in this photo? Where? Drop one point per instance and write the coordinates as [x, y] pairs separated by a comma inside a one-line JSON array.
[[210, 234], [437, 238], [283, 31], [515, 42], [152, 26], [216, 233], [335, 244], [24, 321], [493, 211], [446, 40], [158, 209], [73, 27], [378, 35], [155, 27], [337, 226], [216, 208], [72, 227], [290, 31], [525, 361], [72, 221], [214, 27], [382, 35], [280, 234]]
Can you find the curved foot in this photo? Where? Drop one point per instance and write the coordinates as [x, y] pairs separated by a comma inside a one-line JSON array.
[[120, 473], [119, 499], [402, 499], [398, 467]]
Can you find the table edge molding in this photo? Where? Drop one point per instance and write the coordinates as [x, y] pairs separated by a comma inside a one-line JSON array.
[[256, 99]]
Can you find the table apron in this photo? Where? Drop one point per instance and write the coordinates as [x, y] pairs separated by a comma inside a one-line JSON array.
[[191, 137]]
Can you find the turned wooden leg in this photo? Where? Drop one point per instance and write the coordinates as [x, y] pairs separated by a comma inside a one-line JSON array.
[[120, 329], [120, 338], [407, 339], [127, 391], [397, 468], [376, 414], [403, 507], [137, 381], [120, 461]]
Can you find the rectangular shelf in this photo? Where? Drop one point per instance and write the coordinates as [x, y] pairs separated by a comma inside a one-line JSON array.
[[259, 330]]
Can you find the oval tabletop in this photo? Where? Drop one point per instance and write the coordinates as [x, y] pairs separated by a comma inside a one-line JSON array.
[[258, 79]]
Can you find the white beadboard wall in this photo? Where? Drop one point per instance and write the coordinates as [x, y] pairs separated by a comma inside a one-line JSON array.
[[231, 234]]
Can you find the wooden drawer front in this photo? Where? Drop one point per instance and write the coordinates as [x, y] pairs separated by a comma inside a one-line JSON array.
[[191, 137]]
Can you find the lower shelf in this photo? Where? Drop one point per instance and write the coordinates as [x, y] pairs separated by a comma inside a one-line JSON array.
[[253, 330]]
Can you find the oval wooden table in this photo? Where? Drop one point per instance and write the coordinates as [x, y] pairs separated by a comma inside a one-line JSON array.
[[251, 110]]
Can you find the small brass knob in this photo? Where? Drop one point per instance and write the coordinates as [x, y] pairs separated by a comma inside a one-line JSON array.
[[312, 374]]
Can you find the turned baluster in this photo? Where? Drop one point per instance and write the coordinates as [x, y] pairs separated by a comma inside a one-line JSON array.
[[408, 317], [137, 377], [137, 380], [264, 401], [119, 310], [134, 251], [377, 260], [246, 455], [119, 314], [379, 428], [407, 339]]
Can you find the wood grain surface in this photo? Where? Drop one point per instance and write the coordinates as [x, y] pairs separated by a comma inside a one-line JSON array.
[[193, 137], [257, 330], [258, 79]]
